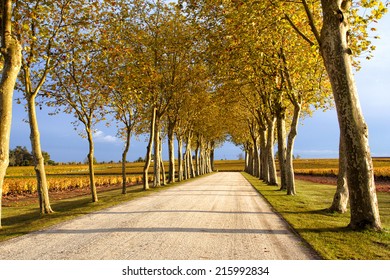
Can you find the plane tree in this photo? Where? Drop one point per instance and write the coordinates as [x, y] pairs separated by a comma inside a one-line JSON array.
[[11, 58], [143, 29], [39, 24], [119, 83], [340, 35], [74, 89]]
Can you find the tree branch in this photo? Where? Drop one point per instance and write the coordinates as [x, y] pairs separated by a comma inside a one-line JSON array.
[[311, 43], [311, 22]]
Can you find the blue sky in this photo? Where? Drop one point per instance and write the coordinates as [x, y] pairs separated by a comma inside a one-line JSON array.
[[317, 136]]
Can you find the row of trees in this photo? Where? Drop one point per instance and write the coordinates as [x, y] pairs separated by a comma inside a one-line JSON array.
[[193, 72], [281, 59], [132, 60]]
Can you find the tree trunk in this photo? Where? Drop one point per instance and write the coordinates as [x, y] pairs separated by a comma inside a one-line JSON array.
[[212, 158], [202, 160], [256, 161], [39, 163], [180, 157], [360, 174], [197, 158], [92, 183], [187, 158], [190, 161], [273, 181], [246, 151], [281, 124], [250, 160], [148, 156], [171, 151], [246, 168], [157, 158], [124, 159], [162, 167], [290, 180], [12, 59], [255, 156], [340, 199], [264, 174]]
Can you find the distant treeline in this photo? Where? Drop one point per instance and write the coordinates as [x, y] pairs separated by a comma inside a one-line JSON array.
[[20, 156]]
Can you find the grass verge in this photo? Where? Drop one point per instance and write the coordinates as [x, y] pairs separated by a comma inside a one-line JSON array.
[[326, 232], [19, 220]]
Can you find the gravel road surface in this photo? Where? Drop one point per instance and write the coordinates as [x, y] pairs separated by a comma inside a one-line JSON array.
[[214, 217]]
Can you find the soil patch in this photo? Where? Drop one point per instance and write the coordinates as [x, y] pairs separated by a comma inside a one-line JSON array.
[[382, 184]]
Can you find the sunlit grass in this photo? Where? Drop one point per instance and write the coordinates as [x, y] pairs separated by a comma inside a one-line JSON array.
[[326, 232]]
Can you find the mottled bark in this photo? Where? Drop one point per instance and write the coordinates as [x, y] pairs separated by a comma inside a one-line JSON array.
[[91, 170], [148, 156], [256, 160], [171, 152], [246, 168], [360, 174], [12, 57], [188, 166], [290, 180], [124, 159], [197, 158], [202, 159], [250, 159], [212, 158], [39, 162], [157, 154], [162, 166], [340, 199], [264, 174], [281, 125], [273, 181], [179, 157]]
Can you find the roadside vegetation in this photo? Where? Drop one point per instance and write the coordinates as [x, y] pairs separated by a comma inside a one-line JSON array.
[[326, 232]]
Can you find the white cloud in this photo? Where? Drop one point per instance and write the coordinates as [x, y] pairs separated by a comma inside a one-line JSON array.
[[101, 137]]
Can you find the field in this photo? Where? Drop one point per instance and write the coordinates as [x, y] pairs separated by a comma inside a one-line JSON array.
[[21, 180], [329, 167]]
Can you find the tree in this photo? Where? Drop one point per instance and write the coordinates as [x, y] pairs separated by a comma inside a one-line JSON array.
[[336, 52], [20, 156], [41, 29], [74, 86], [39, 24], [343, 36], [120, 81], [12, 59]]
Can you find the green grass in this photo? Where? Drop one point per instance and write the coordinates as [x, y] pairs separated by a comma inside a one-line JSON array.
[[326, 232]]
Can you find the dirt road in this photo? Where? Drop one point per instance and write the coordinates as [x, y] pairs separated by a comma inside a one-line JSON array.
[[215, 217]]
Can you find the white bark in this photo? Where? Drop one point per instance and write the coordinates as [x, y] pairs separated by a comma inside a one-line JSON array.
[[360, 174], [12, 59], [340, 199], [149, 151]]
